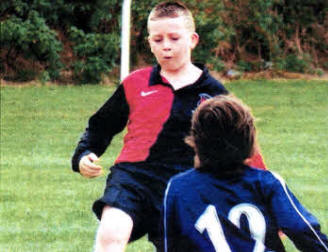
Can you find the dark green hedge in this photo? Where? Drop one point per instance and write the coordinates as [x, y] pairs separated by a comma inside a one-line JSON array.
[[80, 40]]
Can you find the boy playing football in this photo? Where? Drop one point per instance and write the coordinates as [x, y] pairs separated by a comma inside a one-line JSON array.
[[156, 104], [226, 205]]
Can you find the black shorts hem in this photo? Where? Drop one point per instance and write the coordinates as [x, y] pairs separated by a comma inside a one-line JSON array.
[[99, 205]]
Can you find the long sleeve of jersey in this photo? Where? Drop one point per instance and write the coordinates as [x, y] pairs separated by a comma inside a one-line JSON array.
[[173, 238], [109, 120], [169, 227], [295, 221]]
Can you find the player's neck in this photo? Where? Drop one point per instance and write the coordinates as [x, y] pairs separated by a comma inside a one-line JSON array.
[[185, 76]]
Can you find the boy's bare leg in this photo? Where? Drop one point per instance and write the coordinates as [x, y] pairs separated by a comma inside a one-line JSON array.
[[114, 230]]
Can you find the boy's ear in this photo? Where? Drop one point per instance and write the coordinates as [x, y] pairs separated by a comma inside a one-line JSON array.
[[194, 40]]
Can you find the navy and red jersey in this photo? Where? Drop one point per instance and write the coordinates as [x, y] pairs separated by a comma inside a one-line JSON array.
[[157, 118], [245, 213]]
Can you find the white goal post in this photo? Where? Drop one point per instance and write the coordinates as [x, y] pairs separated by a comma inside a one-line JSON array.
[[125, 38]]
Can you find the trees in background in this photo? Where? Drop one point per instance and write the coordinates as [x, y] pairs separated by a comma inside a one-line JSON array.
[[285, 34], [79, 40], [63, 39]]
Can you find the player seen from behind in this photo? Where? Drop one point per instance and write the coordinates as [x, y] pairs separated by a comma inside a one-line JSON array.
[[225, 205]]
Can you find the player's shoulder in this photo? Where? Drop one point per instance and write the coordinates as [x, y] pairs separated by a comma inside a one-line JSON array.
[[190, 174], [257, 174], [210, 82], [188, 180], [137, 75], [265, 179]]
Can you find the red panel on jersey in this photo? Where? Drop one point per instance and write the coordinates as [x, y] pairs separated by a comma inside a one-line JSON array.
[[256, 161], [143, 127]]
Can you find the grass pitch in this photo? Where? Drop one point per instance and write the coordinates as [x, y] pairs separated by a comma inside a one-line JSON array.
[[44, 206]]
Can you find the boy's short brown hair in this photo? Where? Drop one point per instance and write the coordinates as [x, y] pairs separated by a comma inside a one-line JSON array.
[[223, 135], [173, 9]]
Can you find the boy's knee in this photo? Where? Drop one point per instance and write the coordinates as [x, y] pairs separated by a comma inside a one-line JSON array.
[[115, 227]]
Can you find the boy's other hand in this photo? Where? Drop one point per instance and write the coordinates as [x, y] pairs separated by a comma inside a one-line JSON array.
[[88, 168]]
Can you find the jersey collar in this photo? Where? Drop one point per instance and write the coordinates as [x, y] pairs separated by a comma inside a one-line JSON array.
[[156, 78]]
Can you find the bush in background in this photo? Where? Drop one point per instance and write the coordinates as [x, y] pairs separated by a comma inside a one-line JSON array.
[[61, 40], [33, 40], [96, 54], [80, 40]]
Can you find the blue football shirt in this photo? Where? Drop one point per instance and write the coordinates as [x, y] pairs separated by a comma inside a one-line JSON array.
[[204, 213]]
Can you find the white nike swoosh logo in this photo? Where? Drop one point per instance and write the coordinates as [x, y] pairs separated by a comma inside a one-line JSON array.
[[148, 93]]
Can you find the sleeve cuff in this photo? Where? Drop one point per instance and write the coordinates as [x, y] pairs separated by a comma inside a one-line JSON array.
[[76, 161]]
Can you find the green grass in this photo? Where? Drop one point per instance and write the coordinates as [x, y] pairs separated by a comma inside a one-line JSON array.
[[44, 206]]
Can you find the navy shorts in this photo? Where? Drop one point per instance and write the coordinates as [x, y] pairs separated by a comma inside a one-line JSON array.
[[138, 189]]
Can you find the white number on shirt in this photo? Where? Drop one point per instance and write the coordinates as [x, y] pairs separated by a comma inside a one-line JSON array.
[[210, 222]]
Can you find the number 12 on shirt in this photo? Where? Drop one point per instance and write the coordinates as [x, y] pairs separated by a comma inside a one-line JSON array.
[[210, 222]]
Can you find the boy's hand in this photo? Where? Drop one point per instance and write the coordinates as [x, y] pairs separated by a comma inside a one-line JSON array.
[[88, 168]]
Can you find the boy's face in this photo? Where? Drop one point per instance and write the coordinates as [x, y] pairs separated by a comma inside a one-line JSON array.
[[171, 42]]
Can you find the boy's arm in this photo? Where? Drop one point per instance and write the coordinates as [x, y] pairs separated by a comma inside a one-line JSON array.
[[169, 230], [109, 120], [294, 220]]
